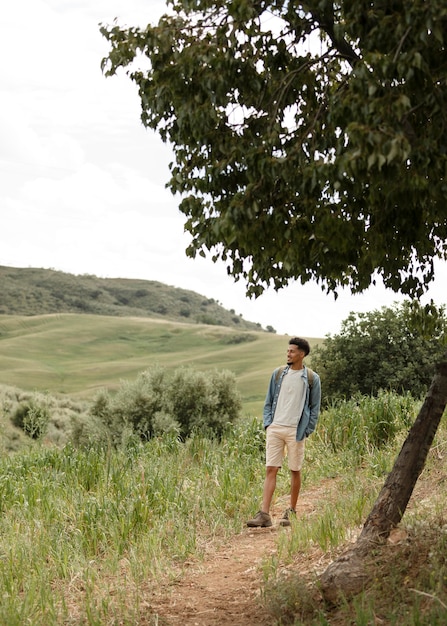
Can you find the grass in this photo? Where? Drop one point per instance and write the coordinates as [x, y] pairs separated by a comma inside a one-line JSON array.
[[86, 535], [408, 579], [79, 354], [70, 519]]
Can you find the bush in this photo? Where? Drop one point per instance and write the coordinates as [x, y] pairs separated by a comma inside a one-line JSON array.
[[395, 349], [239, 338], [32, 417], [181, 402]]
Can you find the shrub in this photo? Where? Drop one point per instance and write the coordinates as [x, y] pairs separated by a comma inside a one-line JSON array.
[[181, 402], [32, 417], [239, 338], [394, 348]]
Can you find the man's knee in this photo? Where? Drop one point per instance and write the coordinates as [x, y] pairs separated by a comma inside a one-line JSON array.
[[271, 470]]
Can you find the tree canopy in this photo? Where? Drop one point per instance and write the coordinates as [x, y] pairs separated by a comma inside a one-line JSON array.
[[309, 138], [383, 349]]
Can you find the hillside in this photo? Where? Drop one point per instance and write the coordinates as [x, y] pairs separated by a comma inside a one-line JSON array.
[[62, 360], [77, 354], [34, 291]]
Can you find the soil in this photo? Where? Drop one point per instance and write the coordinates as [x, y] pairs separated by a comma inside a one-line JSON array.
[[225, 588]]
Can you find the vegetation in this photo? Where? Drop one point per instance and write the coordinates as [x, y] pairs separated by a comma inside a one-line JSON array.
[[308, 144], [182, 402], [32, 418], [81, 354], [308, 137], [385, 349], [33, 291], [29, 415], [88, 534]]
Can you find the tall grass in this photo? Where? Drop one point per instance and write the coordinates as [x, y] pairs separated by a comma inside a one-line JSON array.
[[69, 518], [85, 534], [356, 444]]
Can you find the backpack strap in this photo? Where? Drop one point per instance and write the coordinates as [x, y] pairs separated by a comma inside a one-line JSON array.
[[279, 372], [310, 375]]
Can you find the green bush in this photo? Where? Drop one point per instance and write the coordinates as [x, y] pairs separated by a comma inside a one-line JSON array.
[[32, 417], [239, 338], [395, 348], [181, 402]]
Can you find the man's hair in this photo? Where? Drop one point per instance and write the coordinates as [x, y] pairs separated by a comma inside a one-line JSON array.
[[302, 344]]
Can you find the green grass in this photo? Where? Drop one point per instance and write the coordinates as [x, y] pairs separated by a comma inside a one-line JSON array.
[[85, 535], [79, 354], [69, 515]]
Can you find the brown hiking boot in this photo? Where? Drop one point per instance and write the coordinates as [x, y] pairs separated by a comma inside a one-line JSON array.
[[260, 520], [286, 516]]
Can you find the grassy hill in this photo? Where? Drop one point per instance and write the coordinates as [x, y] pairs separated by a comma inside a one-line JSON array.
[[33, 291], [68, 335], [78, 354]]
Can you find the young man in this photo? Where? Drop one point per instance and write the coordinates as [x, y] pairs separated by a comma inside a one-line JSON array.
[[291, 411]]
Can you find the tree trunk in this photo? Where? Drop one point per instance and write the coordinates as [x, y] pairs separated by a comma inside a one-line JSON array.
[[346, 576]]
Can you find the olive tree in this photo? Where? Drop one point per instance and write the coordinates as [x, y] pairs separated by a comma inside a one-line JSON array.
[[309, 143]]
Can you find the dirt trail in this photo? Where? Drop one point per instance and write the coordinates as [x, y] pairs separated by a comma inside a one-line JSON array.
[[225, 588]]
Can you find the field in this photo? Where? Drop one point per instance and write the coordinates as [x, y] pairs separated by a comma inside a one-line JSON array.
[[153, 534], [79, 354]]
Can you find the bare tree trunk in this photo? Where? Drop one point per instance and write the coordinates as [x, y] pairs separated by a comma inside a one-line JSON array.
[[346, 575]]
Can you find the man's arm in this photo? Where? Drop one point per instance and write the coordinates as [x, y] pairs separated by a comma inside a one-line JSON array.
[[268, 404], [314, 404]]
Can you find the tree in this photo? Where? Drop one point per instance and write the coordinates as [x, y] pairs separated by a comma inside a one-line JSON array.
[[309, 143], [382, 349], [309, 137]]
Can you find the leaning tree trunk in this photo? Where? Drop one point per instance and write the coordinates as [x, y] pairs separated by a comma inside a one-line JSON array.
[[346, 575]]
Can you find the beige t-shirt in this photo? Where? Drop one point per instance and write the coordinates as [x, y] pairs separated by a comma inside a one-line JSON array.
[[291, 399]]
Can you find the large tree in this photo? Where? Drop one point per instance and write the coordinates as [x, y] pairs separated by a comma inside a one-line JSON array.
[[310, 143], [310, 139]]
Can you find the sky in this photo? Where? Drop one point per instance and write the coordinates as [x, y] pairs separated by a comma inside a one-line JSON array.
[[82, 182]]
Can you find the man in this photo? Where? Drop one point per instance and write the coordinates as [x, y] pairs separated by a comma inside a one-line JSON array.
[[291, 411]]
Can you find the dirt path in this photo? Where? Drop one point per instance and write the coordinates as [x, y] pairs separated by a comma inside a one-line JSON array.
[[225, 588]]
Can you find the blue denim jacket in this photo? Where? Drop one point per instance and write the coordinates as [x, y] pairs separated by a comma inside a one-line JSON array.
[[311, 411]]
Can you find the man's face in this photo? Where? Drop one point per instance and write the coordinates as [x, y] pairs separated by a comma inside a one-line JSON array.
[[294, 354]]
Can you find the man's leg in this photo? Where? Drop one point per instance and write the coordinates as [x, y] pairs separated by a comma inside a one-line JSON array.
[[295, 486], [269, 487], [295, 451], [274, 457]]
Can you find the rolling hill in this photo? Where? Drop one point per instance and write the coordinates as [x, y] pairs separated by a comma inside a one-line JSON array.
[[34, 291], [73, 335]]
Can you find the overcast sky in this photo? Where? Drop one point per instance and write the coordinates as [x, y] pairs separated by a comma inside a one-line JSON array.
[[82, 183]]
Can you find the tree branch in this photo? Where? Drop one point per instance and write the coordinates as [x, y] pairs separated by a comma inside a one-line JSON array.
[[326, 21]]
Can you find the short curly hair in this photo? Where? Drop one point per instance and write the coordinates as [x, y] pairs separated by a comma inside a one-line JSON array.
[[302, 344]]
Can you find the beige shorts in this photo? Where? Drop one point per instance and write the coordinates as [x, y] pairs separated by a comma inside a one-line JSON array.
[[278, 440]]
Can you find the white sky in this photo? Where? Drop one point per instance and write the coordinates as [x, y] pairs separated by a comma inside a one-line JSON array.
[[82, 183]]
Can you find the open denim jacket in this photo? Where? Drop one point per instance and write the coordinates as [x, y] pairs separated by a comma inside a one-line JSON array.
[[311, 410]]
